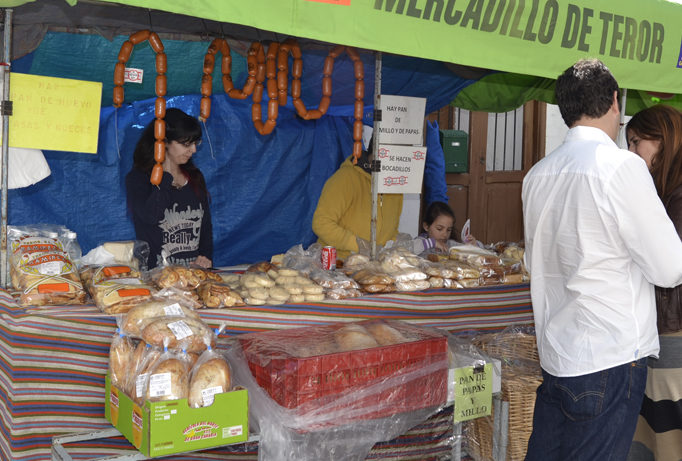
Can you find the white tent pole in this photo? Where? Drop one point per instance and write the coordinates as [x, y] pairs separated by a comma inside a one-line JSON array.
[[622, 141], [373, 157], [6, 111]]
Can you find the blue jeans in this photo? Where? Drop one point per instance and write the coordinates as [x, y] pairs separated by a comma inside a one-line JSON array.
[[587, 418]]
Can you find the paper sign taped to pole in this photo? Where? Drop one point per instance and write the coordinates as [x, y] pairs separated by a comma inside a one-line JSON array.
[[402, 120], [54, 113], [402, 169]]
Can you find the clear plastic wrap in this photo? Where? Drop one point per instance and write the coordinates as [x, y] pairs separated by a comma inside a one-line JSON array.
[[134, 253], [358, 398], [303, 260]]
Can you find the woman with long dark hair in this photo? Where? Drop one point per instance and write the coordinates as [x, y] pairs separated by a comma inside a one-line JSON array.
[[655, 134], [174, 217]]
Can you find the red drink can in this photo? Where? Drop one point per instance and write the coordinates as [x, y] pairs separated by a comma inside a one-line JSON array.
[[328, 258]]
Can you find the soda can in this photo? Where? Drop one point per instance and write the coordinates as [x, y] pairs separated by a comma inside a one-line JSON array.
[[328, 258]]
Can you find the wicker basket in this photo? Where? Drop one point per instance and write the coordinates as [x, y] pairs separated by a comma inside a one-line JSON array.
[[521, 377]]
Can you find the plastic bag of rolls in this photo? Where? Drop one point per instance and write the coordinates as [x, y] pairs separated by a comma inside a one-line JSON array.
[[41, 271], [115, 288]]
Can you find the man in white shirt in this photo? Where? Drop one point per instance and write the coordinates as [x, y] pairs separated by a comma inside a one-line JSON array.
[[597, 241]]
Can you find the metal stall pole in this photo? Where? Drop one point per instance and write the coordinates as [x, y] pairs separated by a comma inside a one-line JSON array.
[[6, 111], [376, 165]]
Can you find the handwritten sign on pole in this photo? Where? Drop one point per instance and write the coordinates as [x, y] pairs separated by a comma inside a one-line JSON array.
[[402, 120], [54, 113], [402, 169]]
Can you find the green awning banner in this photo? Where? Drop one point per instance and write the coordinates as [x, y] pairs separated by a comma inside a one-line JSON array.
[[640, 41]]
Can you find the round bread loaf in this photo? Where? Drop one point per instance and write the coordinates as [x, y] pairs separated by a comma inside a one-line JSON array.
[[177, 384], [212, 376]]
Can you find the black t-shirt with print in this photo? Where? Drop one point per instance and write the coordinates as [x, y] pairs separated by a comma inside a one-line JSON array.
[[173, 221]]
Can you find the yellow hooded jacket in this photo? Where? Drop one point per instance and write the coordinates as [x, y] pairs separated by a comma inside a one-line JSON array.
[[344, 211]]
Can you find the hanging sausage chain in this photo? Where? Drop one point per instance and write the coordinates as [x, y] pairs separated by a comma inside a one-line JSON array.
[[160, 87], [272, 66]]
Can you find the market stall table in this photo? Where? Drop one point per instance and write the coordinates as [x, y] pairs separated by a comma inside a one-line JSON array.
[[53, 359]]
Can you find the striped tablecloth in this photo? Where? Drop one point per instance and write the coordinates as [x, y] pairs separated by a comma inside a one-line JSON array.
[[53, 360]]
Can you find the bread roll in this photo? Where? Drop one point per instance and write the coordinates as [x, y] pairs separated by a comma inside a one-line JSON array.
[[210, 378], [168, 381], [385, 334], [354, 337]]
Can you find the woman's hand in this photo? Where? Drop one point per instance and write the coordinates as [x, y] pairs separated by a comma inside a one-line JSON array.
[[442, 245], [203, 262]]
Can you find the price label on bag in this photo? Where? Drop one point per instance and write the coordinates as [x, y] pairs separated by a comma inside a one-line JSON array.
[[473, 392]]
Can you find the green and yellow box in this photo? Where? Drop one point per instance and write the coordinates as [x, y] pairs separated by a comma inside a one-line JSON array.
[[169, 427]]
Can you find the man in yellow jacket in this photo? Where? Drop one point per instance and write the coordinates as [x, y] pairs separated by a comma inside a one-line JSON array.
[[344, 211]]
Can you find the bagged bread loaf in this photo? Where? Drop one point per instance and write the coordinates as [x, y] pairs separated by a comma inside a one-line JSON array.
[[121, 355], [168, 380], [139, 316], [210, 376], [186, 333]]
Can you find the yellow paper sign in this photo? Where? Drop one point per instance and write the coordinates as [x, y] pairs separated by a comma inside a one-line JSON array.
[[473, 392], [54, 113]]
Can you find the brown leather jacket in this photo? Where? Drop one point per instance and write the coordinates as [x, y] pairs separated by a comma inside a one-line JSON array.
[[669, 300]]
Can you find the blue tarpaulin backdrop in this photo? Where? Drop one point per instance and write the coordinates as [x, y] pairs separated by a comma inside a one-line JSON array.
[[264, 189]]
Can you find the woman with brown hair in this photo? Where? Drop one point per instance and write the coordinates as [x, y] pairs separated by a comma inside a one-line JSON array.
[[655, 134]]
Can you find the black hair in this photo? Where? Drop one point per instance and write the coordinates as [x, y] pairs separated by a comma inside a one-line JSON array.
[[585, 89], [180, 127], [436, 209]]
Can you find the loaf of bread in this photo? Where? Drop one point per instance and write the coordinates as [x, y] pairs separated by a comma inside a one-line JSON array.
[[354, 337], [121, 355], [385, 334], [168, 380], [187, 333], [139, 316], [209, 378]]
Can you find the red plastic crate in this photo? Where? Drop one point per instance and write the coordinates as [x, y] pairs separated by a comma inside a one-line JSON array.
[[308, 383]]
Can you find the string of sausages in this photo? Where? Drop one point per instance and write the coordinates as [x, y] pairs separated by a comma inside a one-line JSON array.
[[272, 66], [160, 87]]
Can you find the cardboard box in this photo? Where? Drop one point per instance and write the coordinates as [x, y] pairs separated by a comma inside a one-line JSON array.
[[309, 382], [169, 427]]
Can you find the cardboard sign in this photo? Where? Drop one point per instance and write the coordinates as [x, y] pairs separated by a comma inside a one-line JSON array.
[[54, 113], [402, 120], [473, 392], [402, 169]]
